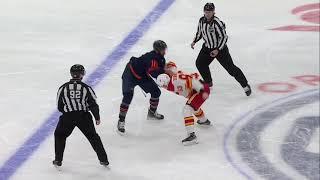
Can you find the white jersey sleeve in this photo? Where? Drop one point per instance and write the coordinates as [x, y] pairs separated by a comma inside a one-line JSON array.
[[197, 85]]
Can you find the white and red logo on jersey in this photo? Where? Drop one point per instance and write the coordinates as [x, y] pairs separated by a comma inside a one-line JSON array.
[[181, 83]]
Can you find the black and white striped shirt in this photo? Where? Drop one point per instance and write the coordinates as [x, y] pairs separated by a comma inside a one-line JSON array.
[[77, 96], [213, 33]]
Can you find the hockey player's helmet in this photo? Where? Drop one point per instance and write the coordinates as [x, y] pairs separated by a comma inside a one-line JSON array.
[[171, 67], [77, 71], [209, 7], [159, 45], [171, 64], [163, 80]]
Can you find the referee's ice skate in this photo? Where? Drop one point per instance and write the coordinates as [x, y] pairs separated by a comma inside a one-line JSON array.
[[57, 163], [104, 164]]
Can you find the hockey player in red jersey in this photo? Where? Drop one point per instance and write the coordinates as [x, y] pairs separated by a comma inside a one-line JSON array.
[[191, 87]]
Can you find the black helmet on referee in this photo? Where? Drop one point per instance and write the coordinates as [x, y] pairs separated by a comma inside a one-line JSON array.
[[159, 46], [209, 7], [77, 71]]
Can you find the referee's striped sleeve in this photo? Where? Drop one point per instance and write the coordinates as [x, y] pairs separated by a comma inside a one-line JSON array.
[[92, 93], [222, 32], [60, 104], [198, 34], [92, 102]]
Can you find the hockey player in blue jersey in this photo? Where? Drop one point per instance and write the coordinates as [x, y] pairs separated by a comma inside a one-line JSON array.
[[139, 72]]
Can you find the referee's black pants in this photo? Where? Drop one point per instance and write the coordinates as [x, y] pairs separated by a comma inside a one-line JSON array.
[[204, 60], [83, 120]]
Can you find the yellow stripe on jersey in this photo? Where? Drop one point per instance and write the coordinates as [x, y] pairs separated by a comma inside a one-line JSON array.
[[199, 113], [188, 118], [189, 124], [189, 121], [192, 97], [189, 83]]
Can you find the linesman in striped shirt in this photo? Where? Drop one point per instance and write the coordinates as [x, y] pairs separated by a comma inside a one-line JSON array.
[[213, 32], [75, 99]]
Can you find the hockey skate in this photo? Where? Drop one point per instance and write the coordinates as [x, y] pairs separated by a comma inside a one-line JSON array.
[[247, 90], [190, 140], [154, 115], [57, 164], [120, 126], [205, 123], [105, 164]]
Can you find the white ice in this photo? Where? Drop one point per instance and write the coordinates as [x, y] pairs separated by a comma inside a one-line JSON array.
[[41, 39]]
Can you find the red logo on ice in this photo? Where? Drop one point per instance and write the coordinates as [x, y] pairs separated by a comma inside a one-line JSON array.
[[309, 13]]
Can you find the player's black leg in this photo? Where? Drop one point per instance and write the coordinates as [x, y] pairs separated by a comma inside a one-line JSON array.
[[124, 107], [203, 61], [86, 126], [154, 102], [128, 84], [151, 87], [63, 130], [226, 61]]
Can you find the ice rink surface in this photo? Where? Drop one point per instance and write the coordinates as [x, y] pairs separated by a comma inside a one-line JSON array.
[[273, 134]]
